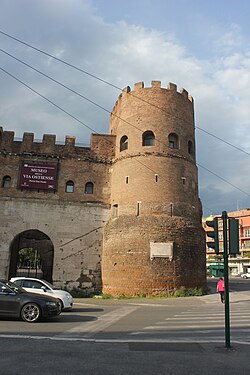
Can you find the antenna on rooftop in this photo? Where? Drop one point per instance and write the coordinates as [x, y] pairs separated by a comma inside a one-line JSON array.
[[237, 205]]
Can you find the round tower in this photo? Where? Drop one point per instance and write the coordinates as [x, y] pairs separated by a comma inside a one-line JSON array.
[[154, 241]]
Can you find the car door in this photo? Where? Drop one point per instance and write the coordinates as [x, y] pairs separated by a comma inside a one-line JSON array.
[[9, 301]]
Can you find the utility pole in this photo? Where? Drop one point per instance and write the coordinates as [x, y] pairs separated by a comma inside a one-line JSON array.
[[226, 282], [233, 249]]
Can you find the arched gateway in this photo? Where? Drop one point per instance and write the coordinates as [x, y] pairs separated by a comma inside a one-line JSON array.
[[31, 254]]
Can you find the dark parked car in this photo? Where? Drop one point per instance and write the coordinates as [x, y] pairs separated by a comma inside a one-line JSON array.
[[16, 302]]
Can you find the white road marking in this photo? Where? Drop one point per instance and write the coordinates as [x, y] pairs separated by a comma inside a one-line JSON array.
[[150, 304], [217, 319], [126, 341], [101, 323]]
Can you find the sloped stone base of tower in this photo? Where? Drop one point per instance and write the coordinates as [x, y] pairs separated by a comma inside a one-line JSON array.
[[127, 268]]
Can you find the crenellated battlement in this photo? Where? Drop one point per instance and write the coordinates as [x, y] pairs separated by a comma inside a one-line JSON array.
[[157, 84], [172, 87], [102, 145]]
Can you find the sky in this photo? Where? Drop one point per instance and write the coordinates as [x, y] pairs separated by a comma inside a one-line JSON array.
[[203, 46]]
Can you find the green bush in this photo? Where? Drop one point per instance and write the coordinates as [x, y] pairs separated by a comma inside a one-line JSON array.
[[105, 296], [183, 292]]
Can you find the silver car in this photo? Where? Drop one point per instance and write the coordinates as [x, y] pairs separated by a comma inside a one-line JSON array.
[[34, 285]]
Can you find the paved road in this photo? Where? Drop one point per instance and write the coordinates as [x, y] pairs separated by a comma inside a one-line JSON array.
[[199, 319], [154, 336]]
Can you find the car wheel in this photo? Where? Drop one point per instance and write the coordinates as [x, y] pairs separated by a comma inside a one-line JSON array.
[[244, 277], [31, 313]]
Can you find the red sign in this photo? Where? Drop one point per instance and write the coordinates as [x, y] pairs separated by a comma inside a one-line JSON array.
[[38, 176]]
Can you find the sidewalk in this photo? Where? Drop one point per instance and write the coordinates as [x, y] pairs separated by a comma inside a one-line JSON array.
[[233, 297]]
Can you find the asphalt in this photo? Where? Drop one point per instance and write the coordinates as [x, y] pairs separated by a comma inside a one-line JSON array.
[[65, 357]]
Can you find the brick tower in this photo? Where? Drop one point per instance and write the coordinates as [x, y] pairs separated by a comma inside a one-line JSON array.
[[153, 241]]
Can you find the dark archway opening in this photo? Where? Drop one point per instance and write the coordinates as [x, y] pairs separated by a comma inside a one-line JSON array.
[[32, 254]]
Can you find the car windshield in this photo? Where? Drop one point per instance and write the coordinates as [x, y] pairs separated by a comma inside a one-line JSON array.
[[50, 285], [15, 287]]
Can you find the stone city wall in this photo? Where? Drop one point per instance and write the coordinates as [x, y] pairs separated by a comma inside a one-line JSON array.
[[75, 230]]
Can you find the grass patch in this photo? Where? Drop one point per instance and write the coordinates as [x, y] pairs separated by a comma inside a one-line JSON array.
[[189, 292], [182, 292]]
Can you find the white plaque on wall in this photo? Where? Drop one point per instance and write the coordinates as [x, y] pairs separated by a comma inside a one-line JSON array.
[[161, 250]]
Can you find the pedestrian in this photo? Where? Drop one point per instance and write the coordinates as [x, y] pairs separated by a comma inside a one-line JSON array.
[[221, 289]]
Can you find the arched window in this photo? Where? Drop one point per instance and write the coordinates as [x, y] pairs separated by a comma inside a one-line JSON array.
[[6, 181], [190, 148], [69, 187], [89, 188], [173, 140], [124, 143], [148, 138]]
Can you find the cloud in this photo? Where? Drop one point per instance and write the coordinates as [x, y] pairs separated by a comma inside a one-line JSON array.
[[231, 40]]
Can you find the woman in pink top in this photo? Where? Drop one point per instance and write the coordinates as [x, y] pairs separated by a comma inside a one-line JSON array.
[[221, 289]]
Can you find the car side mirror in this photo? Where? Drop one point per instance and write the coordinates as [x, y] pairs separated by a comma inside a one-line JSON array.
[[44, 288]]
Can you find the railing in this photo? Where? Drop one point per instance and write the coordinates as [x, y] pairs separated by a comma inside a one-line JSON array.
[[29, 272]]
